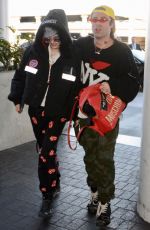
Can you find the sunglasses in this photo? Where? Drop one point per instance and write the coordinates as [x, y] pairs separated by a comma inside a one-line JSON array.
[[101, 20], [51, 39]]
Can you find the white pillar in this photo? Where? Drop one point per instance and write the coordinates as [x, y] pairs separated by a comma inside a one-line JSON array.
[[143, 206], [4, 19]]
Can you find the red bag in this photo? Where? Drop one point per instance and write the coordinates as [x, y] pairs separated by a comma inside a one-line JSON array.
[[107, 108]]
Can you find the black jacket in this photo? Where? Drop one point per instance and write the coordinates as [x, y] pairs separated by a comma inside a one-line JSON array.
[[29, 83], [137, 46]]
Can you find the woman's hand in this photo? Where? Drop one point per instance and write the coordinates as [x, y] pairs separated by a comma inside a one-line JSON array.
[[105, 88], [18, 108]]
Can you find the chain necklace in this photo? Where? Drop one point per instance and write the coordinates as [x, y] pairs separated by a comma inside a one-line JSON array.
[[98, 50], [105, 46]]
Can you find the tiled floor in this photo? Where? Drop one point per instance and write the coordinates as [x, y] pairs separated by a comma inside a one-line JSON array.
[[20, 198]]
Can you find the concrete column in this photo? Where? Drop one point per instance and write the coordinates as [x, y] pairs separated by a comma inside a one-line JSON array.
[[38, 20], [4, 22], [131, 30], [85, 26], [143, 206]]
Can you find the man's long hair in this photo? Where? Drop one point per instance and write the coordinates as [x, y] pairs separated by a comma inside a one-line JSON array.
[[112, 33]]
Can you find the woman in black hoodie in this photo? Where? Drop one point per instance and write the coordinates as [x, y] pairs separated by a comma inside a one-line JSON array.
[[47, 81]]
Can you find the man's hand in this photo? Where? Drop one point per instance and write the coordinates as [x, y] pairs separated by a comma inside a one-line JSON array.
[[18, 108], [105, 88]]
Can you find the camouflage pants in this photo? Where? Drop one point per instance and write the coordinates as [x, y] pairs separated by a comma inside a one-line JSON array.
[[99, 160]]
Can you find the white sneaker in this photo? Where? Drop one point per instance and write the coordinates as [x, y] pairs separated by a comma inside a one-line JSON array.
[[103, 214], [93, 204]]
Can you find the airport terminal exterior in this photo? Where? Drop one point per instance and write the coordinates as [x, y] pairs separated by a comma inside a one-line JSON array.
[[26, 24]]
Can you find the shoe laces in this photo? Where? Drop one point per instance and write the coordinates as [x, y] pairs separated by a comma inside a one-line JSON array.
[[102, 208], [94, 197]]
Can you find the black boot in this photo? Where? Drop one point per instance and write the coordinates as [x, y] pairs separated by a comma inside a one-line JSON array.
[[46, 209]]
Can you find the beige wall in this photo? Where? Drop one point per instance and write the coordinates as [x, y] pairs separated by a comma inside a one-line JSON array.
[[15, 129]]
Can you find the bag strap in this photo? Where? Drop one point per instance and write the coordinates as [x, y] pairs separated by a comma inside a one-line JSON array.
[[70, 125], [70, 122], [103, 101]]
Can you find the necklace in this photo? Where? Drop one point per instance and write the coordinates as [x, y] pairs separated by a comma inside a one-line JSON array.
[[98, 50], [105, 45]]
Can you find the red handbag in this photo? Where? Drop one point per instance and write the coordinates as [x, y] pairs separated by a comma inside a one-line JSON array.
[[107, 110]]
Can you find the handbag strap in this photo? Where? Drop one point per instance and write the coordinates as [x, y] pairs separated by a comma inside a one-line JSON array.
[[70, 124]]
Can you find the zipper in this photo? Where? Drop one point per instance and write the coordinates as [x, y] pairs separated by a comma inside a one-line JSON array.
[[48, 83], [49, 60], [49, 73]]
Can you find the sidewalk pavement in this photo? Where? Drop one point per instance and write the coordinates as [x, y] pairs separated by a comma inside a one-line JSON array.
[[20, 198]]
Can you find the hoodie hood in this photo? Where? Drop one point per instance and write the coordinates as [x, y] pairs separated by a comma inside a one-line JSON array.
[[57, 20]]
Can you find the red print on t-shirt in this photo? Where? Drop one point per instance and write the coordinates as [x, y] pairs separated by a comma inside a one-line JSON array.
[[99, 65]]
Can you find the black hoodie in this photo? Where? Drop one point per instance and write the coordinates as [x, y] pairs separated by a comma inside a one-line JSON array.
[[56, 19], [29, 87]]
